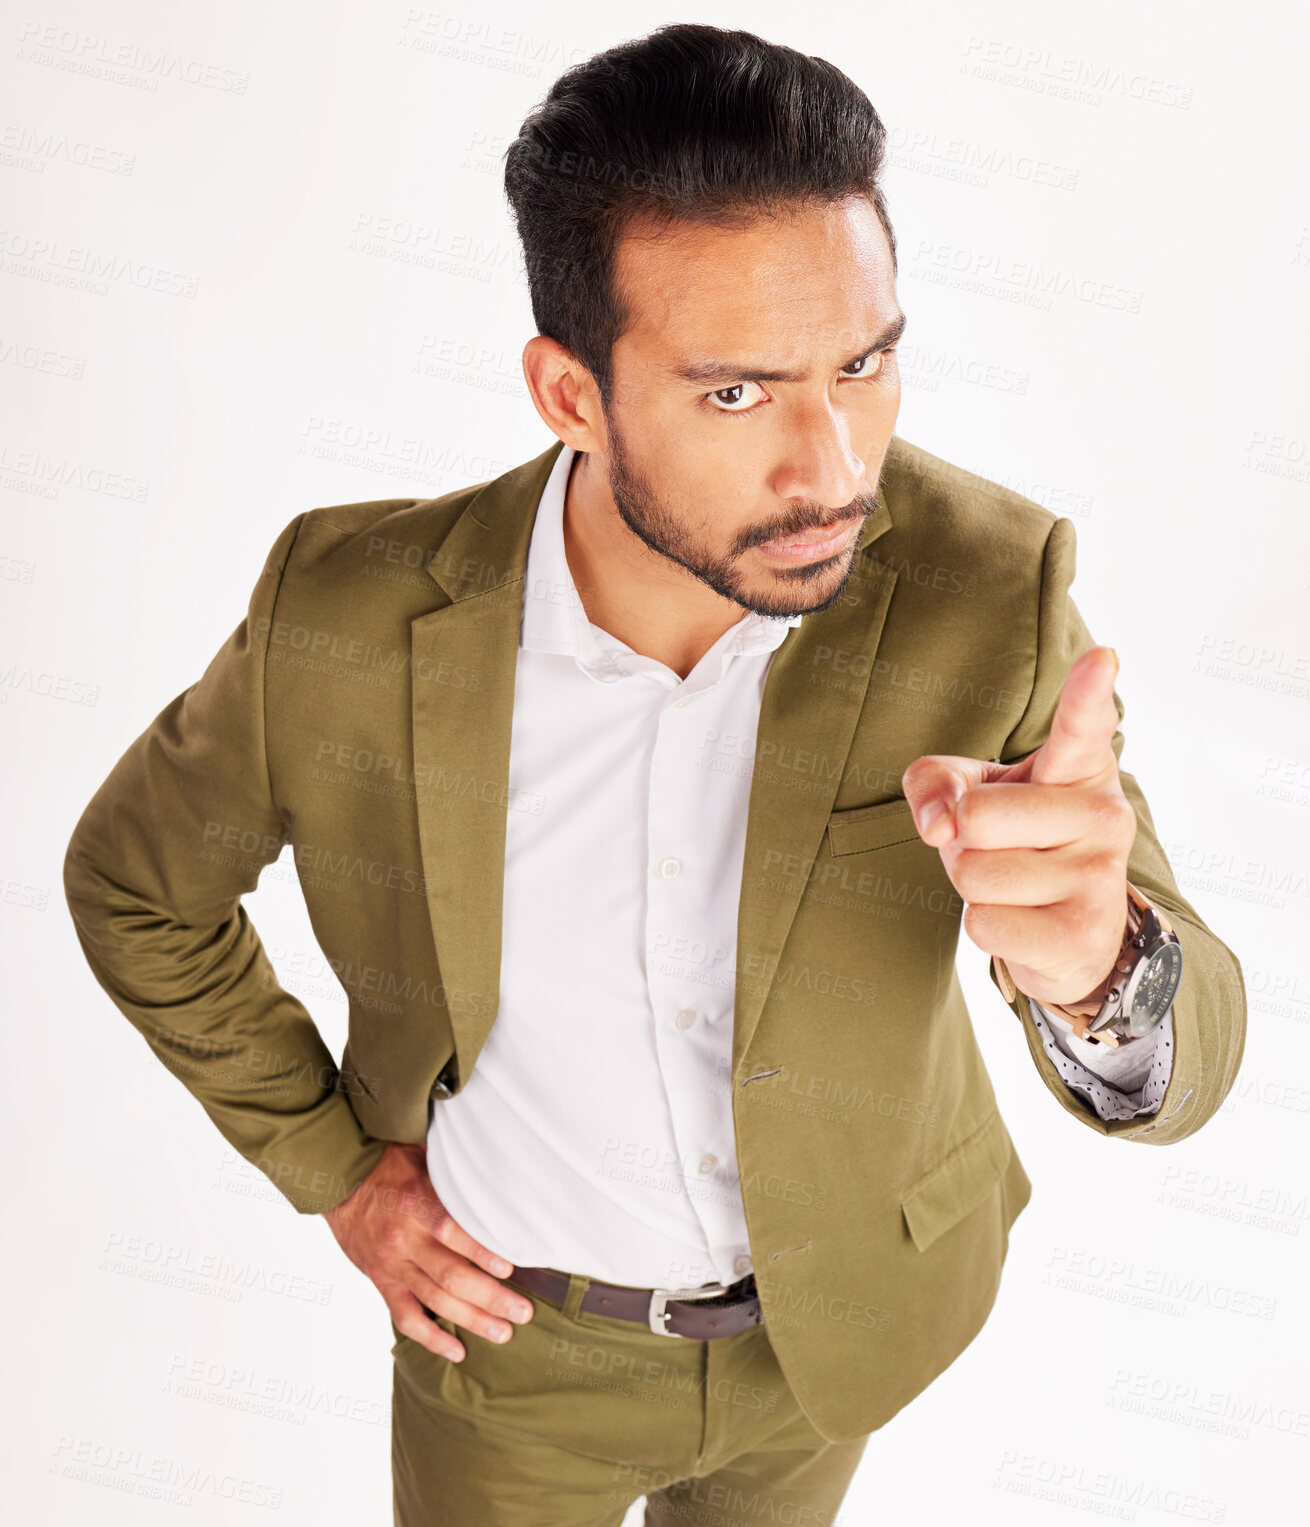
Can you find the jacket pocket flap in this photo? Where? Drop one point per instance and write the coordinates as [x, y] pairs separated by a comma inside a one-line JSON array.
[[866, 827], [958, 1183]]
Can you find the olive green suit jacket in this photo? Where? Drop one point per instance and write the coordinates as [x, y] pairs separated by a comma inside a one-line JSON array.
[[361, 713]]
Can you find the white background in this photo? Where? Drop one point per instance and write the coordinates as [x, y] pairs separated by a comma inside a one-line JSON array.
[[154, 441]]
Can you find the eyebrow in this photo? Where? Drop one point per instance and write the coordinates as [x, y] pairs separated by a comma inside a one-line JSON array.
[[703, 372]]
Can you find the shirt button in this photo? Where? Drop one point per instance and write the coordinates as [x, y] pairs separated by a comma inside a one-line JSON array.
[[685, 1018], [708, 1163], [683, 703], [741, 1265], [670, 867]]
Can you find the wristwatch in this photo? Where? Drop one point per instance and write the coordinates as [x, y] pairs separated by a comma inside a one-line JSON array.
[[1132, 1000]]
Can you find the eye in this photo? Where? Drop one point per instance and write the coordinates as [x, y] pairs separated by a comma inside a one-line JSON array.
[[732, 400], [737, 400], [872, 365]]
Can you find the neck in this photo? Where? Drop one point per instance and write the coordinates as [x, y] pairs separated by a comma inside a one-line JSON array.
[[654, 605]]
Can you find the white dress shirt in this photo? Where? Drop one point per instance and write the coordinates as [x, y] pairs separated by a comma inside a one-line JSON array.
[[595, 1133]]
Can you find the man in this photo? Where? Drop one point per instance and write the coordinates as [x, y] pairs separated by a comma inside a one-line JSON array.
[[638, 798]]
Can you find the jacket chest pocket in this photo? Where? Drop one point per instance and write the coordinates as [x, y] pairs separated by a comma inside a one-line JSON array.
[[869, 827], [872, 861]]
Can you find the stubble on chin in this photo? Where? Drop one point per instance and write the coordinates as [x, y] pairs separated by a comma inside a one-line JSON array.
[[781, 592]]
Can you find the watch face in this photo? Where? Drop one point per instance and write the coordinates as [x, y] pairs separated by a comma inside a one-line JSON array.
[[1153, 991]]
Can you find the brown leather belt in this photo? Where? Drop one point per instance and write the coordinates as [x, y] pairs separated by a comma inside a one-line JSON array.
[[713, 1309]]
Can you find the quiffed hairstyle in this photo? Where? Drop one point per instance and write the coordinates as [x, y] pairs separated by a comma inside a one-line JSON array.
[[690, 123]]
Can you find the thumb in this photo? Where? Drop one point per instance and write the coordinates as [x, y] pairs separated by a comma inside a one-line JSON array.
[[1080, 744]]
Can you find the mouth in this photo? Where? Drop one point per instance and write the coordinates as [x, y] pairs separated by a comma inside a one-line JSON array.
[[812, 545]]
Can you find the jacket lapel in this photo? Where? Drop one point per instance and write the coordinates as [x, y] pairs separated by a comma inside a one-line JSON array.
[[464, 657], [812, 700], [464, 660]]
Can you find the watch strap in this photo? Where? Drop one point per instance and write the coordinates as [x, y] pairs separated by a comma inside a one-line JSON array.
[[1082, 1013]]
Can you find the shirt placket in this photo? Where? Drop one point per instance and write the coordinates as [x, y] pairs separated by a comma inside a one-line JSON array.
[[691, 938]]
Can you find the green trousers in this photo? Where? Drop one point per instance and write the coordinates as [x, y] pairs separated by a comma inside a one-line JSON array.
[[578, 1415]]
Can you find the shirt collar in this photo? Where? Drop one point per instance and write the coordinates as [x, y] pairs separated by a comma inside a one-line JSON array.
[[554, 619]]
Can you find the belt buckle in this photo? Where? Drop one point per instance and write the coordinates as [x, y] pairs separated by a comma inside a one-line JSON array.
[[659, 1297]]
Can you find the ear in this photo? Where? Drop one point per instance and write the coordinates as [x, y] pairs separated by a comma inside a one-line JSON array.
[[565, 394]]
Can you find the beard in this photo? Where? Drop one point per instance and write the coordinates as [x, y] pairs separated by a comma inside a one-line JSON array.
[[802, 589]]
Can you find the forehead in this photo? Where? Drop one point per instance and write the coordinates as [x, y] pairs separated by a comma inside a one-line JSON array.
[[809, 278]]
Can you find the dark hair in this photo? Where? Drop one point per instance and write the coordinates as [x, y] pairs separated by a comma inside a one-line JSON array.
[[690, 123]]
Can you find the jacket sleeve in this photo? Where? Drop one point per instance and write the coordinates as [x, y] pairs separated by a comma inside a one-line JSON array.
[[154, 874], [1209, 1007]]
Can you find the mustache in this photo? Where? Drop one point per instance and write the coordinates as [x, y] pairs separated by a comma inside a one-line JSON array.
[[860, 509]]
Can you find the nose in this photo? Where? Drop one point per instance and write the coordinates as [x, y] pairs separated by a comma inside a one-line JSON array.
[[818, 462]]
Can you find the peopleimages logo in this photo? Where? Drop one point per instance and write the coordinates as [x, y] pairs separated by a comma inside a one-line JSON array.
[[1067, 78]]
